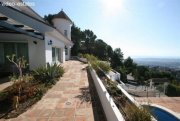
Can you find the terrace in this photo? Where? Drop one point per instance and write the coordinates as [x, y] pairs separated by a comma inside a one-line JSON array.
[[73, 98], [79, 97]]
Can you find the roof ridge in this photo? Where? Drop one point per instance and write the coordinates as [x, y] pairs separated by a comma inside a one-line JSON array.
[[63, 15]]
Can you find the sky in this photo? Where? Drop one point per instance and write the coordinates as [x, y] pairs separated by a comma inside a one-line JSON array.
[[141, 28]]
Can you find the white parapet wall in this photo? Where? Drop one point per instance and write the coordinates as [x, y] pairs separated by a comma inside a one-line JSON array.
[[110, 109], [130, 98]]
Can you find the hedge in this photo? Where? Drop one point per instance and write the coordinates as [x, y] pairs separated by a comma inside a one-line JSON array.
[[173, 90]]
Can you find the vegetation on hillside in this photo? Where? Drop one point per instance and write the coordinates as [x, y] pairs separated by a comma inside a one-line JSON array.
[[86, 42]]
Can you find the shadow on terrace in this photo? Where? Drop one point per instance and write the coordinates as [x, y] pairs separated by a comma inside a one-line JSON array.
[[90, 95]]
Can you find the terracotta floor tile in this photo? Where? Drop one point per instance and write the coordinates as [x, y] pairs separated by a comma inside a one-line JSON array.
[[60, 106], [57, 119], [81, 112], [62, 99], [69, 112], [172, 103], [46, 113], [82, 118], [80, 104], [33, 113], [42, 119], [58, 113], [46, 106]]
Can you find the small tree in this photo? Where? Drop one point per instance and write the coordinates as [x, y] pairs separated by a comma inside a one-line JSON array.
[[20, 64]]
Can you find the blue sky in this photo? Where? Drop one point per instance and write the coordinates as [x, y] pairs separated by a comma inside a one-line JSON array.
[[141, 28]]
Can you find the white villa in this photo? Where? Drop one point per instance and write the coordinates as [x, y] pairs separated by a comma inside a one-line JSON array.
[[23, 32]]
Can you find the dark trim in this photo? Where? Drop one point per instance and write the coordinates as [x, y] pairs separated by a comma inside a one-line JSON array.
[[37, 33], [11, 27], [30, 30], [20, 26], [8, 32], [3, 18]]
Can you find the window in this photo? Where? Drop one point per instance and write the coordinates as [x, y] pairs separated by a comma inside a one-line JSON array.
[[55, 54], [65, 33], [9, 48], [66, 50], [1, 54]]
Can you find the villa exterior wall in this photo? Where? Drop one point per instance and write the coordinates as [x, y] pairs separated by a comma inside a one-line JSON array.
[[62, 25], [36, 53], [55, 43], [36, 48], [39, 51], [23, 42], [68, 53]]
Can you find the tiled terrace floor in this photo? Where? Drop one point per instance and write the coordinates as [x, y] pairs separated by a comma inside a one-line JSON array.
[[69, 100], [172, 103], [4, 83]]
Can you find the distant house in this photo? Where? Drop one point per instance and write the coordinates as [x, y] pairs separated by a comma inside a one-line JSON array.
[[24, 33], [114, 75], [130, 79]]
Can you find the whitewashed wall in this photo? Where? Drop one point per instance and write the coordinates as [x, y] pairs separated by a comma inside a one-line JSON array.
[[63, 24], [55, 43], [36, 52], [69, 53]]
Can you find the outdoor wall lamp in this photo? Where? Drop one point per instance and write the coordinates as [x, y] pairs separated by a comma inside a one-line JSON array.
[[65, 47], [35, 42], [50, 42]]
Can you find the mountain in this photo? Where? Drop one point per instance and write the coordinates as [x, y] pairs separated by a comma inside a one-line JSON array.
[[173, 63]]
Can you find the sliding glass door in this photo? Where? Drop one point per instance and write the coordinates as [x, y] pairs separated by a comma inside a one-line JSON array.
[[9, 48], [56, 54]]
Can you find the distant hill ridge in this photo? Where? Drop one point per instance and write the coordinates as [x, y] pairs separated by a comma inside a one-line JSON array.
[[164, 62]]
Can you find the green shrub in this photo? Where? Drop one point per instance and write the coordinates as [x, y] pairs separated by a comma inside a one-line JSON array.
[[90, 58], [49, 74], [80, 55], [104, 66], [39, 92], [95, 63], [134, 113], [3, 95], [112, 88], [160, 88], [173, 90]]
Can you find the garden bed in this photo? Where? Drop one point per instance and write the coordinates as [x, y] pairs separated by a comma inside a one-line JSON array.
[[111, 111], [27, 90], [116, 105], [31, 92], [127, 108]]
